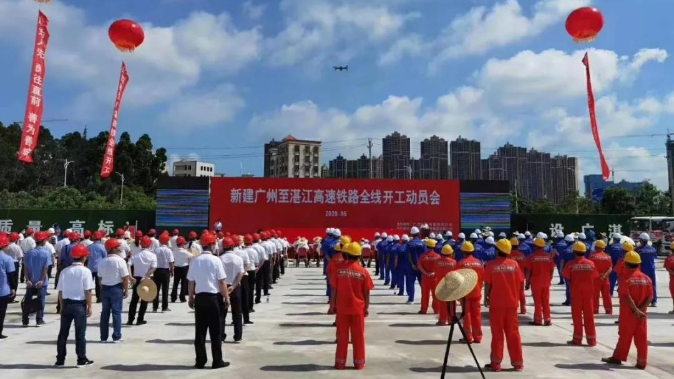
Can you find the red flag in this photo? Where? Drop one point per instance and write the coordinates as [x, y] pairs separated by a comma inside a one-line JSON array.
[[108, 166], [35, 106], [605, 172]]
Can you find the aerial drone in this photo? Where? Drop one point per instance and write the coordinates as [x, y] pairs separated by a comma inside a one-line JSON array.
[[341, 68]]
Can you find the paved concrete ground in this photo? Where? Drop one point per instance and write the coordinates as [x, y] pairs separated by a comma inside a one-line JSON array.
[[293, 338]]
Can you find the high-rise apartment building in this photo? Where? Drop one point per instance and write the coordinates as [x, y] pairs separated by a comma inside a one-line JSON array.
[[396, 155], [465, 159], [434, 159], [293, 158]]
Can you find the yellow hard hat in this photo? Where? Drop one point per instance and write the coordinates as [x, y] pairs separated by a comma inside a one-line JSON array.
[[628, 246], [632, 257], [431, 243], [539, 242], [448, 250], [338, 247], [504, 246], [514, 242], [671, 247], [600, 244], [354, 249], [345, 240], [579, 247], [468, 247]]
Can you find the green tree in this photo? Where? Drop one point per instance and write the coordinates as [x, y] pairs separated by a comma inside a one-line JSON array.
[[618, 201], [545, 207], [651, 202]]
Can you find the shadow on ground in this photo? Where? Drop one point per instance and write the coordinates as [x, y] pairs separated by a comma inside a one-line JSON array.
[[296, 368], [422, 342], [304, 343], [146, 367]]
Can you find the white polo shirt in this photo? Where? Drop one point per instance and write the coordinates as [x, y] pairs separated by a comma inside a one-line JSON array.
[[252, 256], [143, 262], [164, 257], [87, 242], [182, 257], [243, 254], [126, 249], [15, 252], [206, 271], [233, 265], [74, 281], [61, 243], [112, 270], [173, 243], [196, 248], [261, 253], [155, 243], [27, 244]]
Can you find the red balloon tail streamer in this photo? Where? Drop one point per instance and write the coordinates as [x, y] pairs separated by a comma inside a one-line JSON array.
[[35, 106], [108, 166], [605, 171]]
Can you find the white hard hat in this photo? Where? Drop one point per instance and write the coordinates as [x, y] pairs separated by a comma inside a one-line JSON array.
[[644, 237], [127, 234], [502, 235], [448, 234], [406, 237], [560, 235], [384, 235], [490, 234], [389, 239], [338, 233], [569, 238], [396, 237], [51, 231], [69, 230], [520, 236], [527, 234], [432, 235], [473, 235], [414, 230], [376, 234], [489, 240], [540, 235], [582, 236], [617, 236], [461, 235], [328, 230], [478, 231]]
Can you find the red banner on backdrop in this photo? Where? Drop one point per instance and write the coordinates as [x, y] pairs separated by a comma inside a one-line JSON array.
[[108, 166], [35, 107], [306, 207], [605, 171]]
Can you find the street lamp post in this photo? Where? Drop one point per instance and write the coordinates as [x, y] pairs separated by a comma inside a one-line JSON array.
[[121, 193], [65, 172]]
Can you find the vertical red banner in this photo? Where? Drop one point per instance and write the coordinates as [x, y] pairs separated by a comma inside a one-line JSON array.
[[108, 166], [35, 106], [605, 171]]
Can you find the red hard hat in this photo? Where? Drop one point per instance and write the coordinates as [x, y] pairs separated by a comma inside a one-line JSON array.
[[221, 235], [164, 238], [96, 236], [279, 233], [247, 239], [193, 235], [181, 241], [112, 244], [227, 234], [139, 234], [119, 233], [146, 241], [256, 237], [41, 236], [207, 239], [176, 232], [228, 242], [14, 237], [87, 234], [30, 232], [152, 233], [74, 237], [4, 242], [80, 251]]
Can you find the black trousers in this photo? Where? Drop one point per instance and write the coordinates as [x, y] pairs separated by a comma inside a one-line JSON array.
[[3, 310], [23, 275], [59, 268], [15, 282], [98, 286], [245, 308], [235, 305], [263, 281], [134, 303], [277, 266], [76, 311], [161, 278], [207, 317], [252, 283], [179, 278], [282, 266]]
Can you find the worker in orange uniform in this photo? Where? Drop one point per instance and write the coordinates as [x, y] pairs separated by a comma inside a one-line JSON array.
[[520, 258], [352, 285], [581, 272], [540, 268], [636, 294], [503, 280], [669, 266], [472, 322], [428, 280], [444, 266], [602, 286]]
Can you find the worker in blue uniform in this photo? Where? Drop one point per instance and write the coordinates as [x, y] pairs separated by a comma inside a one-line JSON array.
[[392, 271], [449, 239], [406, 274], [582, 237], [324, 248], [559, 247], [615, 250], [381, 248], [567, 257], [648, 255], [474, 238], [488, 254], [529, 241], [329, 253], [415, 249]]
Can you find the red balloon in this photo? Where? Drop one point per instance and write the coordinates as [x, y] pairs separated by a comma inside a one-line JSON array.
[[127, 35], [584, 24]]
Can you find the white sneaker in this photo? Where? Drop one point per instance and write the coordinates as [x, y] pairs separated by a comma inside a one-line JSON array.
[[118, 341], [409, 302]]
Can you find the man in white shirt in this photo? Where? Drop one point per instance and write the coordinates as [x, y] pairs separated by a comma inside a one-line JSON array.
[[65, 241], [242, 253], [87, 239], [125, 251], [144, 264], [163, 274], [251, 270], [114, 276], [173, 244], [16, 253], [28, 243], [180, 267], [278, 257], [208, 288], [235, 271], [261, 279], [155, 242], [75, 286]]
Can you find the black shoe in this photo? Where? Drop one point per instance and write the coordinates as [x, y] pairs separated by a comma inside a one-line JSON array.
[[257, 301], [566, 303], [129, 323], [25, 325], [248, 323], [141, 322], [98, 301], [165, 310], [183, 300], [251, 310], [173, 300], [154, 310], [220, 364], [534, 323], [238, 340], [3, 337], [84, 363], [40, 323], [199, 367], [59, 364]]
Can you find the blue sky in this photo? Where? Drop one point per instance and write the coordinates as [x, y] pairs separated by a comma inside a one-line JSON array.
[[220, 74]]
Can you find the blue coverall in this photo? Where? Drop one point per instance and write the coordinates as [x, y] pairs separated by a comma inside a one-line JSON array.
[[530, 244], [381, 255], [525, 249], [615, 250], [567, 257], [391, 269], [487, 255], [458, 254], [415, 249], [406, 274], [561, 248], [329, 252], [648, 255]]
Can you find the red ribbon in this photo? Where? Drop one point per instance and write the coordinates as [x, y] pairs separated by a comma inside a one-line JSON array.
[[605, 171], [108, 166]]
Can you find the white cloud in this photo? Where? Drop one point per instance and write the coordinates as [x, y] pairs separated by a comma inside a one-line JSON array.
[[411, 45], [252, 11], [482, 28], [203, 109]]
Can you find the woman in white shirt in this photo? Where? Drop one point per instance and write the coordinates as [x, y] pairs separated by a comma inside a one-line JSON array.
[[180, 268]]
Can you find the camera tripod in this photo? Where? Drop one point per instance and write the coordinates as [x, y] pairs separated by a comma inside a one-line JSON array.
[[456, 322]]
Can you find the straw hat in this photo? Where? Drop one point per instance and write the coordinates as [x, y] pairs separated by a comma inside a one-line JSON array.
[[147, 290], [456, 285]]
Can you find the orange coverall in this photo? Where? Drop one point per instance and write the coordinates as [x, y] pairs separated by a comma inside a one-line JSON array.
[[428, 283], [520, 258], [541, 266], [582, 273], [669, 265], [505, 278], [444, 266], [602, 287], [640, 287], [472, 322]]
